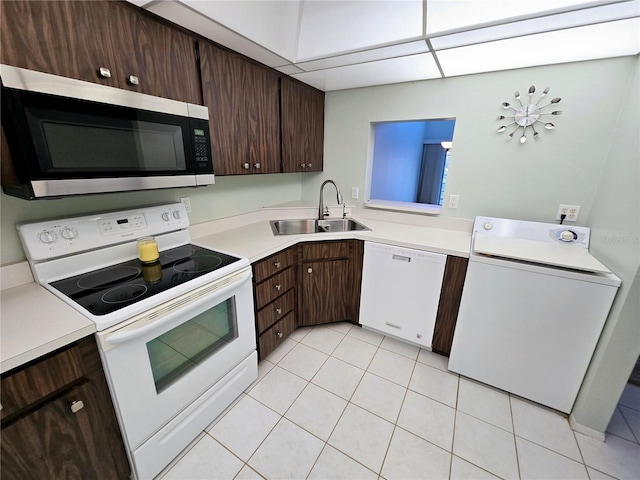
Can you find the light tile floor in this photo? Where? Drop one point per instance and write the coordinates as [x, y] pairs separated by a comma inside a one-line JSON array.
[[340, 402]]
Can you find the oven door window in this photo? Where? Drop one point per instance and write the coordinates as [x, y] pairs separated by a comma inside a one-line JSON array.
[[174, 353]]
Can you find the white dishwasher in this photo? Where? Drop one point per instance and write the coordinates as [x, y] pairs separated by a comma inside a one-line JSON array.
[[400, 291]]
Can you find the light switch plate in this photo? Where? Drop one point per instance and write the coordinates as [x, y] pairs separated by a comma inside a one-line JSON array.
[[453, 201]]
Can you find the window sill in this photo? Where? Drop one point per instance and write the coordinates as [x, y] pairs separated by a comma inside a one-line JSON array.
[[409, 207]]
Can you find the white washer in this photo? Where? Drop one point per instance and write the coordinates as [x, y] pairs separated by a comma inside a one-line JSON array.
[[533, 306]]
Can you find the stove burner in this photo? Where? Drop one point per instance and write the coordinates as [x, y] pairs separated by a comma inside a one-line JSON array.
[[124, 293], [197, 264], [108, 277], [180, 252]]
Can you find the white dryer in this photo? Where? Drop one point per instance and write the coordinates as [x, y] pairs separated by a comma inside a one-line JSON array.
[[533, 306]]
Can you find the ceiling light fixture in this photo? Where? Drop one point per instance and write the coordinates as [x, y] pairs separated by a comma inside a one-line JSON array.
[[528, 114]]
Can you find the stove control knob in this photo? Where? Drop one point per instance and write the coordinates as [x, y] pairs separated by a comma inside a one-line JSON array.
[[487, 226], [68, 233], [176, 214], [165, 216], [47, 236]]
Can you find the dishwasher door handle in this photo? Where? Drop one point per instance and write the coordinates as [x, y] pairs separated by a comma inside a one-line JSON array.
[[401, 258]]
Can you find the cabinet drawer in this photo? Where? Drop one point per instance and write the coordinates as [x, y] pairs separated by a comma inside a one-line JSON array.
[[272, 265], [274, 311], [277, 334], [21, 389], [326, 250], [273, 287]]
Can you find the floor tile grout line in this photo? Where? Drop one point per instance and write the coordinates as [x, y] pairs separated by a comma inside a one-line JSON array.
[[637, 439]]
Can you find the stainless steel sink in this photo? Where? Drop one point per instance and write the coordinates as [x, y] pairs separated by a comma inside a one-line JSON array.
[[311, 225]]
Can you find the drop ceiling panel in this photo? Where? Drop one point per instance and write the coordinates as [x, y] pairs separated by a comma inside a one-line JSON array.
[[448, 15], [538, 25], [333, 27], [605, 40], [272, 24], [197, 22], [395, 70], [383, 53]]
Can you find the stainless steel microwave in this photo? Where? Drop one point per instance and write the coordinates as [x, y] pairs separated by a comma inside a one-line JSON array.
[[69, 137]]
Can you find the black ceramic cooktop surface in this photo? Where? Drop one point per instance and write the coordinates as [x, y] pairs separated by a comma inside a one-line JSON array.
[[108, 289]]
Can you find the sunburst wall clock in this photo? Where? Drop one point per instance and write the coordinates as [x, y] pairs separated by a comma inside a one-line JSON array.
[[527, 115]]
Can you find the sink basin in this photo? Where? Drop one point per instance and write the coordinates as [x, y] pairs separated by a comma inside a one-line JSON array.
[[311, 225]]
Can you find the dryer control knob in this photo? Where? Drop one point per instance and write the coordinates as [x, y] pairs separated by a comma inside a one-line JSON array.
[[567, 236], [488, 226]]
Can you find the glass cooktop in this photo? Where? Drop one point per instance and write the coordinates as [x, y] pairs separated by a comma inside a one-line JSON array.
[[108, 289]]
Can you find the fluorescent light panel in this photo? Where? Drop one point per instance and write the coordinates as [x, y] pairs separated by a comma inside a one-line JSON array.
[[394, 70], [613, 39], [447, 15], [382, 53], [538, 25]]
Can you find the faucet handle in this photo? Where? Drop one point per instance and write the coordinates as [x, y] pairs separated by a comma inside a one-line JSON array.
[[325, 212]]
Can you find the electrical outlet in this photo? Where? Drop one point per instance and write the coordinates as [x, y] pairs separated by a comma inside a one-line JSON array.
[[354, 192], [571, 212], [186, 201], [453, 201]]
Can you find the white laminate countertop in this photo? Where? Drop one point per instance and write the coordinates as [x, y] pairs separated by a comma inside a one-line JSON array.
[[255, 239], [34, 322]]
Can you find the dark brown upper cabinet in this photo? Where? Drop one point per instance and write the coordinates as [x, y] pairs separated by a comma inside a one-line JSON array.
[[244, 112], [302, 127], [81, 39]]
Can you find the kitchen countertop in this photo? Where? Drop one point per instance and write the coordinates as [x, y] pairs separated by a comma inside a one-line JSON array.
[[255, 239], [35, 322]]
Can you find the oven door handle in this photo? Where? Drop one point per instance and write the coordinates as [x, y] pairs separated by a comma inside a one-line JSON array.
[[131, 332]]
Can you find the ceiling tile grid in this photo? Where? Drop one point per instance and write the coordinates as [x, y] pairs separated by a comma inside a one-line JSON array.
[[340, 44]]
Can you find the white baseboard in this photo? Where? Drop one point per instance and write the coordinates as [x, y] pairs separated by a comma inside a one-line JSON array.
[[590, 432]]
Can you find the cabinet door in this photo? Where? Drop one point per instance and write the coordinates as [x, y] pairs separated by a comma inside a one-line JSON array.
[[64, 38], [163, 59], [58, 440], [454, 274], [326, 292], [76, 38], [302, 127], [244, 113]]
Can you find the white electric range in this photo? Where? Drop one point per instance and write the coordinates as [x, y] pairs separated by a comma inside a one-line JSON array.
[[176, 336]]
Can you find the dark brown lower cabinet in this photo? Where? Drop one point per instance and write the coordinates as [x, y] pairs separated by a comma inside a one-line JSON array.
[[330, 275], [455, 271], [58, 421]]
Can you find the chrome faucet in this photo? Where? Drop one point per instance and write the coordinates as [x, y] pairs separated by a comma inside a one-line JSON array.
[[322, 210]]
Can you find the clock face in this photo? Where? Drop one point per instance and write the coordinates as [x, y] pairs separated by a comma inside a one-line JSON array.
[[527, 115]]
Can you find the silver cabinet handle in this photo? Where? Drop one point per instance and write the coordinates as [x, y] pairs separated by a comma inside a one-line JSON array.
[[246, 166], [257, 165], [277, 264], [309, 270], [104, 72], [303, 165], [133, 80], [402, 258], [77, 406], [279, 311], [393, 325], [278, 286], [308, 165], [279, 334]]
